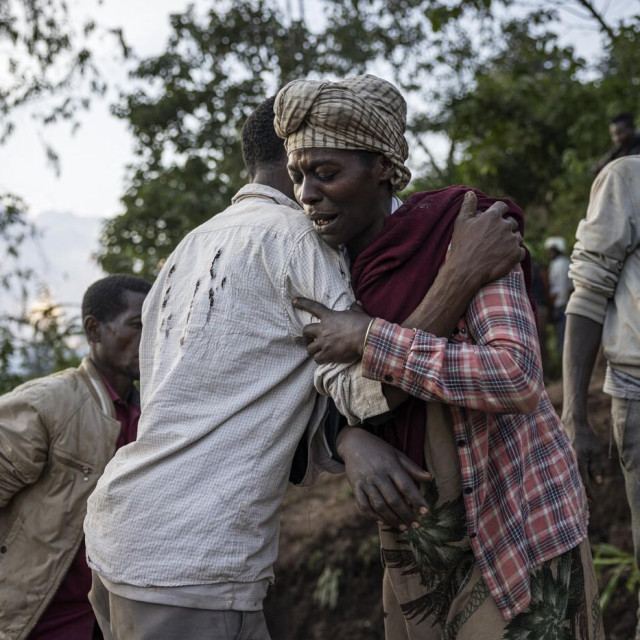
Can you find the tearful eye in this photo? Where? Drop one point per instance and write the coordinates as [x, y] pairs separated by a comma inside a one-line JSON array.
[[296, 178]]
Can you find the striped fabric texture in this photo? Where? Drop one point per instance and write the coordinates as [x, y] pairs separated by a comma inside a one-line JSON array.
[[360, 113], [524, 500]]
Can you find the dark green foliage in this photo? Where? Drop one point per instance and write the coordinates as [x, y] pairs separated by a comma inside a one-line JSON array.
[[190, 103], [524, 116]]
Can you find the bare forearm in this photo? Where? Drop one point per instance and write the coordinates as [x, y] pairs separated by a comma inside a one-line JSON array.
[[582, 340], [446, 301]]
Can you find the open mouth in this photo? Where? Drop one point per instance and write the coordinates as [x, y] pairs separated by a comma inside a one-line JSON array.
[[323, 220]]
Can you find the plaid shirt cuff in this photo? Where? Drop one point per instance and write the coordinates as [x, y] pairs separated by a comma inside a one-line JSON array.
[[386, 351]]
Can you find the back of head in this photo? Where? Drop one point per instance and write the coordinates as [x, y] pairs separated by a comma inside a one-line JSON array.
[[361, 113], [260, 144], [626, 119], [105, 298]]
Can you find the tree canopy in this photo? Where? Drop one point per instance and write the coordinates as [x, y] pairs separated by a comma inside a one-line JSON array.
[[523, 116], [46, 68]]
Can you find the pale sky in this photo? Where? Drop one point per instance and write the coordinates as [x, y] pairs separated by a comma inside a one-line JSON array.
[[93, 160]]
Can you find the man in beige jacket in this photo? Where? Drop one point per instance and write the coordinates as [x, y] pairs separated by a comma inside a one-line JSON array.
[[57, 434], [605, 307]]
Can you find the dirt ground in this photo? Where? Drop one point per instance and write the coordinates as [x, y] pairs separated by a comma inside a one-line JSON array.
[[328, 574]]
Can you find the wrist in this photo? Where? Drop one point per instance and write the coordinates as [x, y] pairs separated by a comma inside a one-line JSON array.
[[363, 342], [344, 440], [460, 277]]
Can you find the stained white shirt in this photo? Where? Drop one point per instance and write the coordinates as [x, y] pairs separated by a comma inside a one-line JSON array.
[[227, 393]]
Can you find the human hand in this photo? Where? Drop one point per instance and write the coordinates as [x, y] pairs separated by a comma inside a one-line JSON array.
[[383, 479], [485, 246], [338, 336], [590, 451]]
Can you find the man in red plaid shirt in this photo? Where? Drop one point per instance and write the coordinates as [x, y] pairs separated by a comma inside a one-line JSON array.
[[497, 546]]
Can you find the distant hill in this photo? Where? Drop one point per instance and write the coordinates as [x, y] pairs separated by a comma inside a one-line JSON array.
[[60, 257]]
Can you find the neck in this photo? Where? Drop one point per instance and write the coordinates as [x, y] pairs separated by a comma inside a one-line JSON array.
[[358, 244], [121, 383], [276, 177]]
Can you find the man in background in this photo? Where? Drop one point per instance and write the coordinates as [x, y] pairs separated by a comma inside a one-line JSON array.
[[625, 138], [560, 286], [605, 307], [57, 434]]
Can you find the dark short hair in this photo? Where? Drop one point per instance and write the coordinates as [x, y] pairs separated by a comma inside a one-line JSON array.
[[104, 299], [623, 118], [260, 143]]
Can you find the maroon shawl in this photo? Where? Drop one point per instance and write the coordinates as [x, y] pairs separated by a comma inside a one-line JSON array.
[[393, 274]]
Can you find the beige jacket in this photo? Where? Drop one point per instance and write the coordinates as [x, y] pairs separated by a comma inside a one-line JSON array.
[[56, 435], [605, 264]]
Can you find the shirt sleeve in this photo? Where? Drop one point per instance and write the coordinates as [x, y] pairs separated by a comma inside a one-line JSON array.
[[607, 235], [24, 444], [500, 373], [318, 272]]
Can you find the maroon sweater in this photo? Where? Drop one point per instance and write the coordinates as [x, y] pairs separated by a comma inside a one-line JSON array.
[[393, 274]]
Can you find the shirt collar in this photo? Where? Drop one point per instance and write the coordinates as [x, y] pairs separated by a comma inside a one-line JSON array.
[[255, 190], [134, 396], [396, 203]]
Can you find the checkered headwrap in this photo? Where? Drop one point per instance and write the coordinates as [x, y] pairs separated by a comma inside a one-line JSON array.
[[360, 113]]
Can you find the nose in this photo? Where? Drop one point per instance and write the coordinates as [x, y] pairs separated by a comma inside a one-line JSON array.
[[308, 193]]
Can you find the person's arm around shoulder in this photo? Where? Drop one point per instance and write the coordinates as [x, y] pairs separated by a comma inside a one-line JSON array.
[[495, 245], [24, 442], [499, 373]]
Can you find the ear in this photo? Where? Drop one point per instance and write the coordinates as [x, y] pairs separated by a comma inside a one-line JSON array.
[[386, 168], [92, 329]]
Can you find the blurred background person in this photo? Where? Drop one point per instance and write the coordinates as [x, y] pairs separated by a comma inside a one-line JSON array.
[[560, 286], [625, 138], [605, 267]]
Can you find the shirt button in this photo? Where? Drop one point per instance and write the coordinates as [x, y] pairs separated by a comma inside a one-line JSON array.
[[473, 535], [3, 549], [388, 378], [468, 490], [462, 443]]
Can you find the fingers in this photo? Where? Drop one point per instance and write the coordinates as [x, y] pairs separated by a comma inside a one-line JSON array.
[[498, 208], [415, 471], [311, 331], [363, 503], [596, 471], [583, 469], [388, 505], [410, 493], [316, 309], [469, 204], [313, 348]]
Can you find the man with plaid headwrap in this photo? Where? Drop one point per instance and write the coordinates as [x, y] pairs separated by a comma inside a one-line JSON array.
[[501, 549]]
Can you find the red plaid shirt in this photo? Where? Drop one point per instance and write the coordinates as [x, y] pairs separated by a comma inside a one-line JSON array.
[[524, 499]]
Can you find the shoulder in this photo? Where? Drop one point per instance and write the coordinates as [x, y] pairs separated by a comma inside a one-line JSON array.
[[623, 173], [58, 389], [255, 214]]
